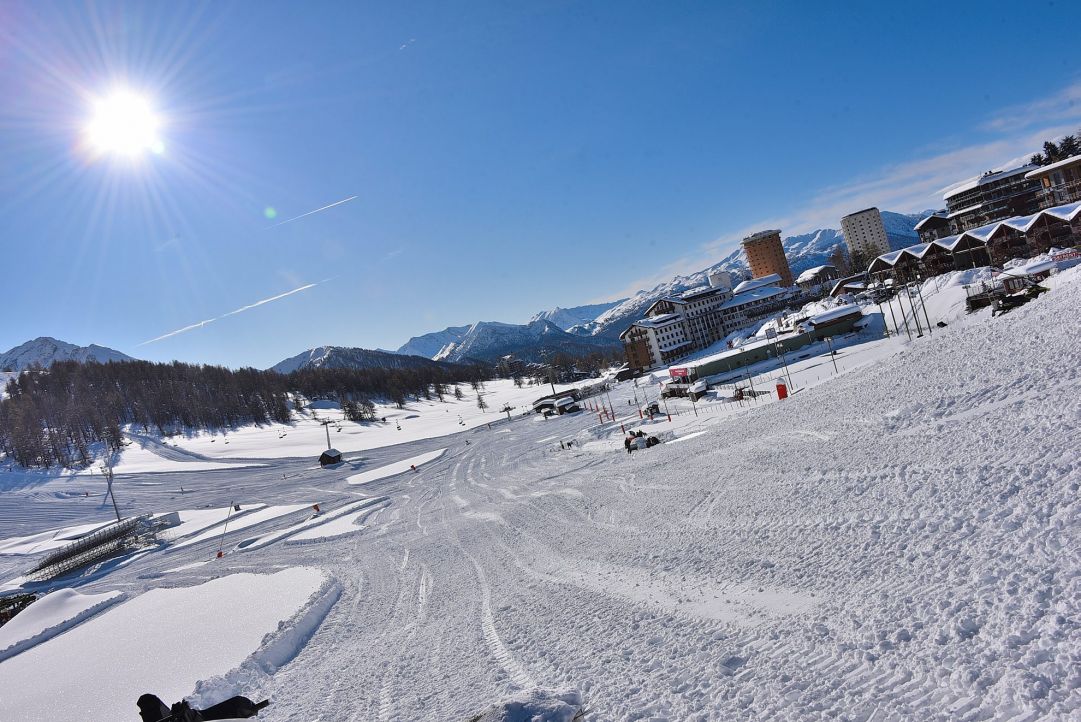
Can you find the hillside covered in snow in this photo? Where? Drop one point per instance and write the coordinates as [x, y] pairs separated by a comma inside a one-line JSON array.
[[341, 357], [45, 351], [535, 341]]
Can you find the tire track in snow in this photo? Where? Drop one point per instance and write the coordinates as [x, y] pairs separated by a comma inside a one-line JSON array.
[[506, 660]]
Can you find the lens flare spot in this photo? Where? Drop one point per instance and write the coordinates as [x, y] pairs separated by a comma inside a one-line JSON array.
[[270, 212]]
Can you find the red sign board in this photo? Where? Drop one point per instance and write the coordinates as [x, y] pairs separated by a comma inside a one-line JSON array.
[[678, 373]]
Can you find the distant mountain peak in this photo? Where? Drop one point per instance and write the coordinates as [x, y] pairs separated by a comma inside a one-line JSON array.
[[344, 357], [44, 351]]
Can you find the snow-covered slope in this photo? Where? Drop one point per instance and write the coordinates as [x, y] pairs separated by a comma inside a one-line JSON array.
[[803, 251], [44, 351], [535, 341], [566, 318], [339, 357]]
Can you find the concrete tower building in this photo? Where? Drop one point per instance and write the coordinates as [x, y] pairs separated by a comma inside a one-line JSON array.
[[865, 235], [765, 255]]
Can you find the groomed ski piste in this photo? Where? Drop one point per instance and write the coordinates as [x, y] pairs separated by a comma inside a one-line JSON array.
[[897, 540]]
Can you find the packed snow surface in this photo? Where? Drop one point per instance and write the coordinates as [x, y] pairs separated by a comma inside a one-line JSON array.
[[163, 641], [396, 468], [898, 539]]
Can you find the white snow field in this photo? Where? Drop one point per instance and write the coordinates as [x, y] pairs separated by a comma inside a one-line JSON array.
[[163, 641], [419, 420], [898, 540], [49, 616], [398, 467]]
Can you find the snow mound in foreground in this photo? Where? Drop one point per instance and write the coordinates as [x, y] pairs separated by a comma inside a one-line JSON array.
[[536, 705], [49, 616]]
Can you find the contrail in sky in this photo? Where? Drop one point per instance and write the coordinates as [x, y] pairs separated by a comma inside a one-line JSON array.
[[231, 313], [317, 210]]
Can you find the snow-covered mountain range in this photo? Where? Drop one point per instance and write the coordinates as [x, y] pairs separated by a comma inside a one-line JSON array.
[[489, 341], [568, 318], [45, 351], [341, 357]]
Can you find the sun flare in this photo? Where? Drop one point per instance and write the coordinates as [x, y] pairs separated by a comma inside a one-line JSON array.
[[124, 124]]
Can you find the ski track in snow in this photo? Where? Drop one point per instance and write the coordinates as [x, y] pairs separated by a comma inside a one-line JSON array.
[[899, 542]]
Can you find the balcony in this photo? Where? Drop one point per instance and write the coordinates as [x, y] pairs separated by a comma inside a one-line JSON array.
[[1060, 194]]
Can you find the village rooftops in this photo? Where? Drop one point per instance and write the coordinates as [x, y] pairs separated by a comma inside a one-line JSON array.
[[754, 283]]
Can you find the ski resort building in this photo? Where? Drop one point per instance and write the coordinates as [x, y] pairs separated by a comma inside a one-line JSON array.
[[675, 326], [990, 244], [864, 234], [934, 226], [994, 196], [765, 256], [1060, 183], [813, 278]]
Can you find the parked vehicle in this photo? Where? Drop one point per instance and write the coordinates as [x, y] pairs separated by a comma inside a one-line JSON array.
[[651, 408], [698, 390]]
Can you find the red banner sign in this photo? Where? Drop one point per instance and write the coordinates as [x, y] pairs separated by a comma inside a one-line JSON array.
[[678, 373]]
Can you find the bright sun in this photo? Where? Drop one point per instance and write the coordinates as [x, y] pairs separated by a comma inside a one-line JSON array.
[[124, 124]]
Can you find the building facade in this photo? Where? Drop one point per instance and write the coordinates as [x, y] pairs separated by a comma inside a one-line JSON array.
[[765, 256], [933, 227], [994, 196], [1060, 183], [675, 326], [864, 234]]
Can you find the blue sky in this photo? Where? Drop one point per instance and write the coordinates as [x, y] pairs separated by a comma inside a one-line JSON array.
[[504, 157]]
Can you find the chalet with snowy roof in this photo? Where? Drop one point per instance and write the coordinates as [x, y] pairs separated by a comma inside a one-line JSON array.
[[989, 244], [813, 278], [1060, 183], [934, 226]]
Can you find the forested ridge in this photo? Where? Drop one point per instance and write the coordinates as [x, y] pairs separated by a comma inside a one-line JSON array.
[[53, 416]]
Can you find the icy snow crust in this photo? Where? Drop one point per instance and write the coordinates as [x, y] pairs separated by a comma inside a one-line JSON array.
[[896, 541]]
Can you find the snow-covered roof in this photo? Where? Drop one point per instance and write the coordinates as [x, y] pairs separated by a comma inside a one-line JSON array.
[[1045, 169], [1022, 223], [937, 215], [987, 178], [698, 291], [983, 232], [1067, 212], [1037, 267], [655, 321], [755, 294], [754, 283], [963, 211], [809, 275], [833, 314]]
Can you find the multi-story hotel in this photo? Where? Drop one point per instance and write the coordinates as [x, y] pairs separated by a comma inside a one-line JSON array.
[[765, 256]]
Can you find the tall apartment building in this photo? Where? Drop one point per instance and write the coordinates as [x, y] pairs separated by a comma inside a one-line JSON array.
[[865, 235], [765, 255]]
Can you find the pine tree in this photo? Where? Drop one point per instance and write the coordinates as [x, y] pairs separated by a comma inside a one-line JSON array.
[[1069, 146], [481, 403]]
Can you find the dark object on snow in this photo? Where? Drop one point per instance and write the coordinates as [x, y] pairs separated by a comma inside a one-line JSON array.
[[330, 456], [941, 324], [652, 441], [10, 606], [152, 709]]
